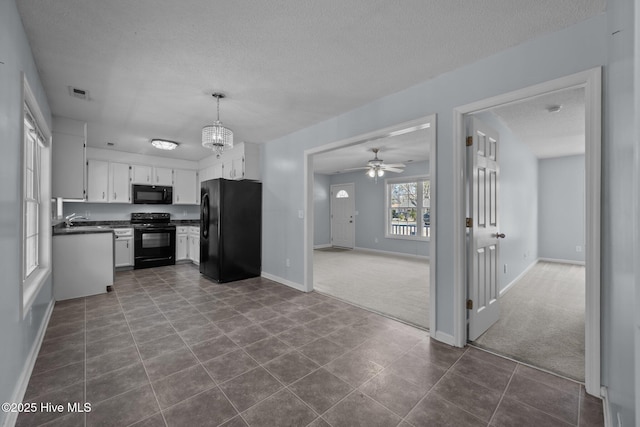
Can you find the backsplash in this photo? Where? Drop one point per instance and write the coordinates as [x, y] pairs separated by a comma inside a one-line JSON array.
[[117, 211]]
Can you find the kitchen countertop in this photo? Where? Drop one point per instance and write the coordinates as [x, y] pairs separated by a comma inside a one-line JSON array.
[[84, 227], [63, 231]]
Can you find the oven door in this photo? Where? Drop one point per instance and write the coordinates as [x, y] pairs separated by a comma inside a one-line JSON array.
[[154, 246]]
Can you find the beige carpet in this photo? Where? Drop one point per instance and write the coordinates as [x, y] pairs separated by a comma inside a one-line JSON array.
[[542, 320], [395, 285]]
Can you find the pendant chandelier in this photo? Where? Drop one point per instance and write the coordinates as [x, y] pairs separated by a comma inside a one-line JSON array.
[[217, 137]]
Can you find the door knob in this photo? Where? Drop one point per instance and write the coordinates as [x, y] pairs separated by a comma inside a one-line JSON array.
[[500, 236]]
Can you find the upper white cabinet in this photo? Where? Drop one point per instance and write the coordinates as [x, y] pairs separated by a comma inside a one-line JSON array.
[[108, 182], [185, 187], [162, 176], [119, 183], [141, 174], [241, 162], [68, 174], [98, 181], [146, 174]]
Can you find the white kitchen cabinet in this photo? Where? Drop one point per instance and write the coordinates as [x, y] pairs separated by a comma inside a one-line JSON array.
[[162, 176], [123, 247], [119, 183], [194, 245], [98, 181], [233, 168], [68, 175], [185, 186], [182, 243], [141, 174]]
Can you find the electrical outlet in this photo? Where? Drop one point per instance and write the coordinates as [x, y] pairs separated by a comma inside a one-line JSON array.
[[288, 262], [87, 214], [578, 248]]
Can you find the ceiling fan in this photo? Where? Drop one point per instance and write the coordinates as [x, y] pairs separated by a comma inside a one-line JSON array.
[[376, 167]]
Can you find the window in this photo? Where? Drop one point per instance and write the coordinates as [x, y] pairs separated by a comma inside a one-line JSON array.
[[36, 206], [33, 140], [409, 208], [342, 194]]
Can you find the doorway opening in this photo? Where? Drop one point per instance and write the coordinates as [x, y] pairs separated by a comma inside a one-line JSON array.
[[588, 85], [354, 248]]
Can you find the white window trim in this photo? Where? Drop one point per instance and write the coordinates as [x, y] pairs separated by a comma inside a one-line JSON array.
[[31, 286], [387, 203]]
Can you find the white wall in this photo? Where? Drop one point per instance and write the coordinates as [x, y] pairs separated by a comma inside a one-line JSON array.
[[606, 40], [517, 202], [370, 205], [17, 335], [561, 193]]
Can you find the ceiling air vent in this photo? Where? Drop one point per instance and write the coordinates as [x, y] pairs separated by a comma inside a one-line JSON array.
[[79, 93]]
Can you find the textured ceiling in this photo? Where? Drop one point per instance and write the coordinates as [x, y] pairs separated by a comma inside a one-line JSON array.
[[406, 148], [548, 134], [151, 65]]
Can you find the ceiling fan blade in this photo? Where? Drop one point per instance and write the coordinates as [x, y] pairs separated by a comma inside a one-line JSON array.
[[395, 165], [396, 170], [356, 169]]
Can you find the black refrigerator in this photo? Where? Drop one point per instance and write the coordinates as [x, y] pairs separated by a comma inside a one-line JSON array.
[[230, 229]]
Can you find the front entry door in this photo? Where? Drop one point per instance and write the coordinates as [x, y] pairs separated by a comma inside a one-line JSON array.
[[484, 232], [342, 216]]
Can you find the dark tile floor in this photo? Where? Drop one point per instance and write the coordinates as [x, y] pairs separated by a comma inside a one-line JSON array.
[[170, 347]]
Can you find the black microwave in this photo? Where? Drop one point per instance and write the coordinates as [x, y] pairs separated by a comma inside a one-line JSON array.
[[152, 194]]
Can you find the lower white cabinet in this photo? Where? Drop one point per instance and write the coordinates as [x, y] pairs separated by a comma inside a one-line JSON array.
[[194, 244], [123, 247], [182, 243]]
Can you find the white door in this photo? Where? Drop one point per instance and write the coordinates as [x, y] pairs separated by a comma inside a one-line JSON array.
[[484, 231], [342, 215]]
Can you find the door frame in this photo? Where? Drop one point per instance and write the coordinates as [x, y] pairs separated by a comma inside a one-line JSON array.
[[591, 81], [309, 181], [351, 185]]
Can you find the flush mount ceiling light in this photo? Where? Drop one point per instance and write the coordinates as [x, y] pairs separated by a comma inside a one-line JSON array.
[[163, 144], [217, 137], [554, 108]]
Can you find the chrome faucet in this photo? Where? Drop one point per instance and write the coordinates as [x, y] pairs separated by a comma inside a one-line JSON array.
[[68, 220]]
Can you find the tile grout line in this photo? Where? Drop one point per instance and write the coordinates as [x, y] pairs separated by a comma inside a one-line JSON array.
[[504, 392]]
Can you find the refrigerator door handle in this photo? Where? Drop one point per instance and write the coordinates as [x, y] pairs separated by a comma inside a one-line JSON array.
[[205, 215]]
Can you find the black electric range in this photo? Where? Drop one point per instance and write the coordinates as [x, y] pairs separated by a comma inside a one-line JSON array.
[[154, 239]]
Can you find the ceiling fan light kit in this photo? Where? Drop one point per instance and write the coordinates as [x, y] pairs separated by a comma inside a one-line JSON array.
[[376, 167], [216, 136]]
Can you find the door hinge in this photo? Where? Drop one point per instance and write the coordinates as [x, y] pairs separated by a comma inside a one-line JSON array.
[[469, 141], [469, 222], [469, 304]]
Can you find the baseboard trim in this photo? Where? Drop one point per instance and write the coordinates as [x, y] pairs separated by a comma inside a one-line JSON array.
[[378, 251], [294, 285], [445, 338], [25, 375], [326, 245], [520, 276], [561, 261]]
